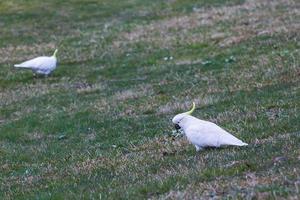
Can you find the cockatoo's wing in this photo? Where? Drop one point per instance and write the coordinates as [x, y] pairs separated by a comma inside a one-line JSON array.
[[209, 134], [39, 63], [200, 136]]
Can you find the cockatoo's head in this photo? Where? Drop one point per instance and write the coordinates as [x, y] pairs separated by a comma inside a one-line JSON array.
[[178, 119]]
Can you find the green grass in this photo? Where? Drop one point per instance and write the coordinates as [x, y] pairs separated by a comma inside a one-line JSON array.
[[100, 125]]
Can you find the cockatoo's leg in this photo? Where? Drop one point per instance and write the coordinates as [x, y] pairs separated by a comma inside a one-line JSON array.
[[198, 148]]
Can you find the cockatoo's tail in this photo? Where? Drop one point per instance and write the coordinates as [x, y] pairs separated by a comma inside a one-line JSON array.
[[192, 110], [55, 52]]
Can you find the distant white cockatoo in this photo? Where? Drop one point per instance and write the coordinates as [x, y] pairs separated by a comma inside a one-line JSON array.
[[40, 65], [204, 133]]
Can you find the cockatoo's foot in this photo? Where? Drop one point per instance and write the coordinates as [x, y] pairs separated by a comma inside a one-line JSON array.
[[198, 148]]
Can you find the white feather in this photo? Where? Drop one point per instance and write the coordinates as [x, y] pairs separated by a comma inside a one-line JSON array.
[[204, 133], [40, 65]]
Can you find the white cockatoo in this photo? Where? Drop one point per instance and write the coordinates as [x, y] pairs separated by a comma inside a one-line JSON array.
[[41, 65], [203, 133]]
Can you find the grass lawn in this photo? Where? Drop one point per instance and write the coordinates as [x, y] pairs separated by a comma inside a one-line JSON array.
[[100, 125]]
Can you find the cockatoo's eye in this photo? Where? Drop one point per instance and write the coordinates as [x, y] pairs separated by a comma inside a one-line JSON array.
[[177, 127]]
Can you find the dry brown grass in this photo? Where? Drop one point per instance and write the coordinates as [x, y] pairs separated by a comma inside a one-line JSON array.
[[185, 105], [27, 91], [188, 62], [21, 53], [275, 138], [134, 93], [247, 185], [156, 148], [84, 88], [253, 18]]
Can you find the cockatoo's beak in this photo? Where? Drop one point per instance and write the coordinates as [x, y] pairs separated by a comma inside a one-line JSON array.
[[177, 127], [55, 52]]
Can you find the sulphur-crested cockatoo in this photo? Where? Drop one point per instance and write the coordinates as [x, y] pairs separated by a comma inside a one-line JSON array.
[[40, 65], [203, 133]]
